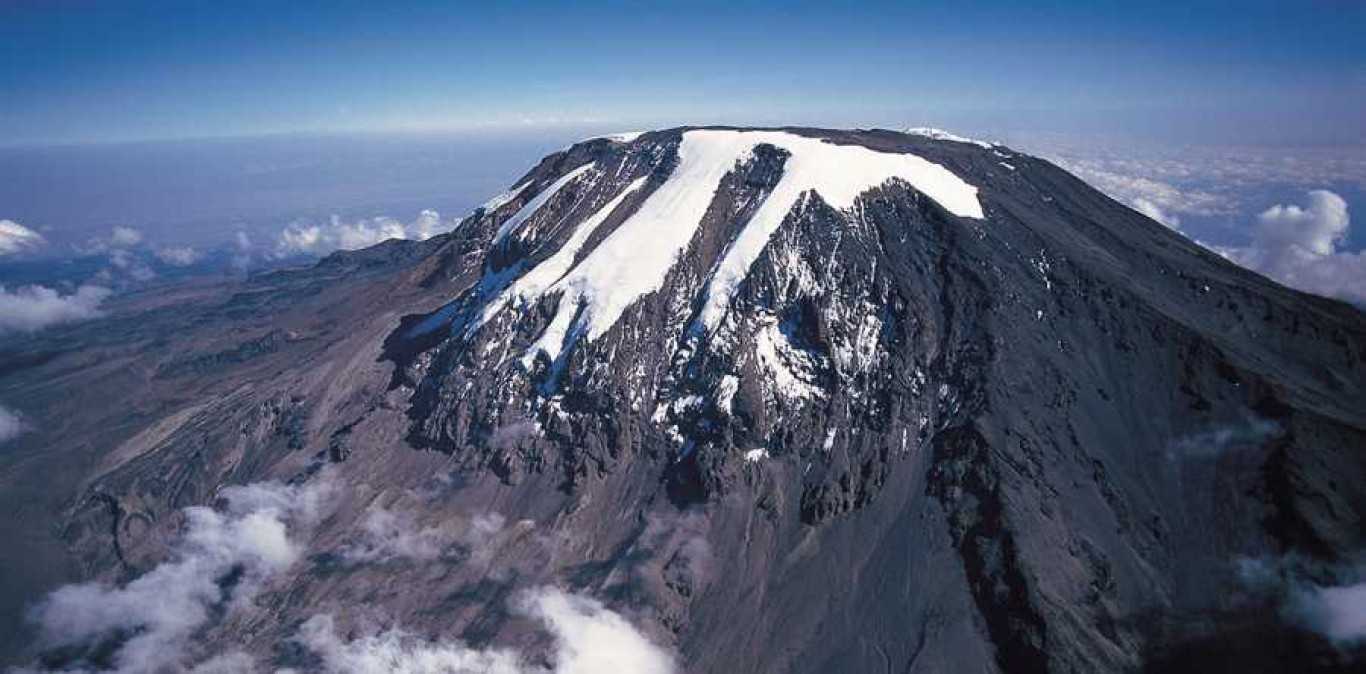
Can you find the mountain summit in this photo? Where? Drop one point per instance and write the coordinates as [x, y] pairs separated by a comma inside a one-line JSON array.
[[791, 399]]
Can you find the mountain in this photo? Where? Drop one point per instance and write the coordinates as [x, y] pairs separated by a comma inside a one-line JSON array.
[[791, 400]]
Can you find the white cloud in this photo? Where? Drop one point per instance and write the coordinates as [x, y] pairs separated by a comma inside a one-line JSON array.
[[1152, 210], [1157, 199], [1338, 613], [178, 256], [1298, 247], [130, 263], [398, 652], [125, 237], [226, 557], [32, 308], [218, 565], [10, 425], [16, 238], [236, 662], [317, 240], [1316, 229], [1329, 600], [427, 225], [589, 638]]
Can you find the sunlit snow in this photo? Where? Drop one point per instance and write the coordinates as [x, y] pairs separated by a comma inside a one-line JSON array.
[[636, 257], [940, 134], [535, 204], [498, 201]]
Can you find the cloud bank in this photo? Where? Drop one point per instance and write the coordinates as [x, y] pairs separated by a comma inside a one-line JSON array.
[[32, 308], [317, 240], [16, 238], [1297, 245], [226, 557], [219, 564], [588, 639], [1158, 199]]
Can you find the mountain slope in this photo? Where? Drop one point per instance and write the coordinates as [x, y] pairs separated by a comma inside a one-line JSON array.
[[792, 400]]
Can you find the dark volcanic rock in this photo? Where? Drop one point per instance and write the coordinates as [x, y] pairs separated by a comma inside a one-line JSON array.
[[904, 438]]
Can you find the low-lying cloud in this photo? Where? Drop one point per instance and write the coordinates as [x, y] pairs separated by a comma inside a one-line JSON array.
[[226, 557], [588, 638], [16, 238], [337, 234], [1215, 441], [125, 237], [221, 561], [1297, 245], [178, 256], [10, 425], [1335, 610], [1160, 200], [392, 535], [1338, 613], [32, 308]]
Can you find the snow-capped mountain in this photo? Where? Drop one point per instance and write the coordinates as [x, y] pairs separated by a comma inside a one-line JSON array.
[[790, 399]]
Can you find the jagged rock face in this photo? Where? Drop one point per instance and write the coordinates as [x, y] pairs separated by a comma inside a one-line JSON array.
[[929, 404], [834, 324], [1010, 351]]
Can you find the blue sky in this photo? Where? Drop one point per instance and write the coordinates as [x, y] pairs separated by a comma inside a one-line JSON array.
[[74, 71], [251, 120]]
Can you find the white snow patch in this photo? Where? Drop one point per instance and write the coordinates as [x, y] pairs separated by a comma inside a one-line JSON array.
[[725, 393], [1007, 165], [623, 137], [500, 200], [684, 403], [535, 282], [940, 134], [636, 257], [839, 174], [790, 366], [535, 204]]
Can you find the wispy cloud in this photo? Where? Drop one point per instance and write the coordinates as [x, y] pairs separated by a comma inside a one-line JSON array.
[[16, 238], [32, 308], [178, 256], [1215, 441], [10, 425], [394, 534]]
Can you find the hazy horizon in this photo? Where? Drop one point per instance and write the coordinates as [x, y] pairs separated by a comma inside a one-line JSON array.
[[1270, 71]]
